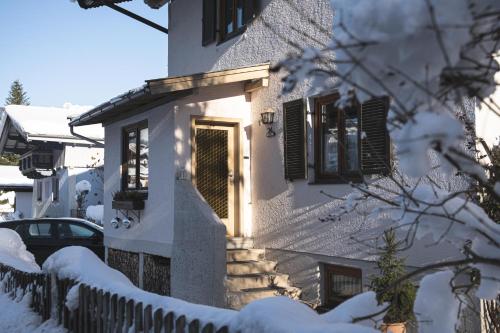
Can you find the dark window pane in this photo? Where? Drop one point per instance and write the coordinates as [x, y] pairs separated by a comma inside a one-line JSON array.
[[228, 16], [330, 138], [144, 157], [74, 231], [131, 160], [240, 15], [39, 230], [352, 142]]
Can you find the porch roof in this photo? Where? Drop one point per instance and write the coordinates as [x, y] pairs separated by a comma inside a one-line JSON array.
[[161, 91]]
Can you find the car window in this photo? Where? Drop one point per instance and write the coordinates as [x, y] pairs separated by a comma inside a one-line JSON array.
[[67, 230], [39, 230]]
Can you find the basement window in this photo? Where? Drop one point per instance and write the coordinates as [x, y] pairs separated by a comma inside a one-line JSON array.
[[339, 284]]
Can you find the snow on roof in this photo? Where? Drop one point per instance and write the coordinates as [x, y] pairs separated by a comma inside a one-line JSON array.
[[11, 176], [37, 122]]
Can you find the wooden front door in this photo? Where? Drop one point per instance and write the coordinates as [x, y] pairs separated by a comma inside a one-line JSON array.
[[216, 171]]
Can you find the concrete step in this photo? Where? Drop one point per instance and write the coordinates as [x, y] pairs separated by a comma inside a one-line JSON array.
[[238, 299], [245, 254], [239, 243], [250, 267], [248, 281]]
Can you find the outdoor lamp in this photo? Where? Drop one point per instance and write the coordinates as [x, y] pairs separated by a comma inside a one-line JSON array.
[[115, 223], [127, 222], [267, 118]]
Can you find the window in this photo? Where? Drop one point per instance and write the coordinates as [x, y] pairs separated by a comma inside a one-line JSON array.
[[39, 189], [39, 230], [55, 189], [67, 231], [232, 18], [340, 154], [135, 157], [340, 283]]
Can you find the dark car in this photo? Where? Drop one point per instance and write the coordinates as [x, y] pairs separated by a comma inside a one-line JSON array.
[[45, 236]]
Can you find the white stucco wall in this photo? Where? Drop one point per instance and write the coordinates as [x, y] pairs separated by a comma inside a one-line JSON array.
[[24, 202], [154, 233], [285, 214]]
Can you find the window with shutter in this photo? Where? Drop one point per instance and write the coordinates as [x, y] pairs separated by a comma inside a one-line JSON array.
[[209, 21], [375, 145], [234, 16], [350, 142], [294, 139]]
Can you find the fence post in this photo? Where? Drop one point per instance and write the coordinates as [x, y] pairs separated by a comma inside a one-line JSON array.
[[194, 326], [120, 314], [105, 315], [157, 321], [209, 328], [129, 314], [112, 313], [168, 322], [180, 324], [99, 311], [138, 318], [148, 318]]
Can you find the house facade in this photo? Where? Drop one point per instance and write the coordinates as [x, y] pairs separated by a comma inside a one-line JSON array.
[[17, 190], [53, 158], [233, 204]]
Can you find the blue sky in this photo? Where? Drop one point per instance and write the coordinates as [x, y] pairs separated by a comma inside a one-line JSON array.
[[62, 53]]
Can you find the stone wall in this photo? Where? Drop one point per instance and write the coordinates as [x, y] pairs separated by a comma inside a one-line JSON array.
[[156, 277], [125, 262]]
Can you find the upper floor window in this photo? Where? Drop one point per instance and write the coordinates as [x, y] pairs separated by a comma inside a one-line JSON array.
[[39, 189], [337, 140], [349, 143], [55, 189], [135, 157], [229, 20]]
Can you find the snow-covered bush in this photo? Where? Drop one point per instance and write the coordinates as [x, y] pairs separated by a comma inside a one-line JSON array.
[[95, 214], [436, 60], [82, 189]]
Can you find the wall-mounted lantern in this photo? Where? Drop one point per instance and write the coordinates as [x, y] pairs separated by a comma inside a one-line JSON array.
[[267, 118]]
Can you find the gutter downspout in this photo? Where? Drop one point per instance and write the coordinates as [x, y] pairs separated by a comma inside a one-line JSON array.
[[95, 142]]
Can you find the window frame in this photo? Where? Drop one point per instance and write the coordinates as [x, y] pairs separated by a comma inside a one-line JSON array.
[[328, 270], [342, 176], [223, 36], [137, 127]]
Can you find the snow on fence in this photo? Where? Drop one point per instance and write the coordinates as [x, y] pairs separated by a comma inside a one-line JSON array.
[[98, 310], [101, 311], [19, 284]]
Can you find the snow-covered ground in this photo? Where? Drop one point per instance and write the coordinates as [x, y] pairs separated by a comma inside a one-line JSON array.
[[17, 317]]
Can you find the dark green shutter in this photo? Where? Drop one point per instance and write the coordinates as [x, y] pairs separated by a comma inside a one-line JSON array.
[[375, 143], [294, 128], [209, 21]]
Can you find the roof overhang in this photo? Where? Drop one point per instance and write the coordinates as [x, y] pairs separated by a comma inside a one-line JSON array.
[[161, 91]]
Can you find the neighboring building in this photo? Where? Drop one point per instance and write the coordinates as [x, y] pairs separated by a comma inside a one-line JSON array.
[[53, 157], [12, 180], [204, 131]]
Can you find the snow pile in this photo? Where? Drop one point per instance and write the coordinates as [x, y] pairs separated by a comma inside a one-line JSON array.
[[283, 315], [13, 252], [95, 213], [7, 200], [356, 307], [436, 314], [83, 187]]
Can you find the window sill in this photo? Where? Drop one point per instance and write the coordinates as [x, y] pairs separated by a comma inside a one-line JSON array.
[[336, 181]]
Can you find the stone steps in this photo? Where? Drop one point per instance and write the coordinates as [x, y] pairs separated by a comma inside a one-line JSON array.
[[261, 280], [250, 277]]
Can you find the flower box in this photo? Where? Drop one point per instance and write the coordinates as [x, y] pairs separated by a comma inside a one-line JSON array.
[[128, 204]]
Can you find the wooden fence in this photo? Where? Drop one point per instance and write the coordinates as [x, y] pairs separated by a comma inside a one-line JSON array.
[[98, 311]]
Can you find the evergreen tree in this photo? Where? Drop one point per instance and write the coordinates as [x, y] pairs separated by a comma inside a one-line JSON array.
[[401, 296], [17, 95]]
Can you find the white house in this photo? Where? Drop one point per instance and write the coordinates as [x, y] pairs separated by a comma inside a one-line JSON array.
[[18, 189], [202, 128], [53, 157]]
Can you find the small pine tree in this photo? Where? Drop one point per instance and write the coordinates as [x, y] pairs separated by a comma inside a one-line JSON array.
[[17, 95], [401, 296]]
